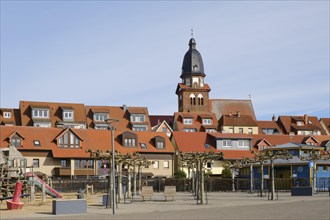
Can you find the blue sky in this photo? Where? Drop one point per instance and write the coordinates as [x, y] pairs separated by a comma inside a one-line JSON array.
[[131, 52]]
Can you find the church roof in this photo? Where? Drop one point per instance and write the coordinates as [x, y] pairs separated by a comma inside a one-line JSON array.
[[192, 61]]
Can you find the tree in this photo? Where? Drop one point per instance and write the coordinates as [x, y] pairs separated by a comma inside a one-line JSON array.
[[226, 173], [199, 159], [313, 156]]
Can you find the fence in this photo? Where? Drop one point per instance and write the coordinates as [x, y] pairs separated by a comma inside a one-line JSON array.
[[212, 184]]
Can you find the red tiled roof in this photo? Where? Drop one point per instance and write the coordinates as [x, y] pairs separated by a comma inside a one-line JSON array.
[[287, 123], [197, 122], [91, 139], [15, 118], [226, 106], [268, 124], [120, 113], [242, 120], [195, 142], [55, 111]]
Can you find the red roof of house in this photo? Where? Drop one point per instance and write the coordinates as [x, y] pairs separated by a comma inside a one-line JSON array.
[[197, 121], [288, 123], [90, 139], [55, 111], [122, 113], [268, 124], [195, 142]]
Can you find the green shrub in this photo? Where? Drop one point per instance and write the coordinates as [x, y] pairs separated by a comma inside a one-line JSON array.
[[180, 174]]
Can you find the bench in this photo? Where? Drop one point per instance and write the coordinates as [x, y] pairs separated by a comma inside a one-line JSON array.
[[69, 206], [169, 191], [147, 191]]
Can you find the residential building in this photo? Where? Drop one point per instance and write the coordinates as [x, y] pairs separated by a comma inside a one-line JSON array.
[[63, 152], [300, 125]]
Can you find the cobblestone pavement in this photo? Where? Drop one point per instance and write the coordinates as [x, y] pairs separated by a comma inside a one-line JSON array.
[[221, 205]]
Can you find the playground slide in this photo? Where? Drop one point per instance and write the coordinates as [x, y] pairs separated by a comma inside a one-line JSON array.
[[49, 190]]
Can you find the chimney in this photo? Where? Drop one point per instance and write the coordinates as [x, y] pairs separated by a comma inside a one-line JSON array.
[[238, 114], [124, 107], [274, 118], [306, 119]]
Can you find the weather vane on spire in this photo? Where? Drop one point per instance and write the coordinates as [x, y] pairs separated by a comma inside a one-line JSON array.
[[192, 32]]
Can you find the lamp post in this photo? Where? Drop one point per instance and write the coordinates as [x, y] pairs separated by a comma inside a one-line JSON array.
[[112, 126]]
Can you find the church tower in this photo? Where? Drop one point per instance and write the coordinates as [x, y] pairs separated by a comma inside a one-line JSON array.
[[193, 94]]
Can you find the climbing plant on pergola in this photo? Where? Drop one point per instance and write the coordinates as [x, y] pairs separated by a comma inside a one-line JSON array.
[[261, 157], [130, 160], [199, 159]]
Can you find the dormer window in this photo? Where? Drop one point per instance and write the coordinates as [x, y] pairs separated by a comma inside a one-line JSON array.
[[40, 113], [159, 142], [68, 115], [16, 140], [138, 118], [100, 116], [187, 121], [69, 140], [129, 139], [207, 121], [300, 123], [7, 114]]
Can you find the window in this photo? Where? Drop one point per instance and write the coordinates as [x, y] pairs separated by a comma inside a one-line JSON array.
[[35, 162], [188, 82], [207, 121], [250, 131], [90, 164], [67, 115], [138, 118], [200, 99], [300, 123], [164, 129], [40, 113], [240, 130], [189, 130], [7, 114], [210, 130], [231, 130], [226, 143], [326, 168], [69, 140], [65, 163], [187, 121], [207, 146], [166, 164], [36, 143], [139, 128], [209, 165], [160, 145], [129, 142], [100, 116], [143, 145], [156, 164], [42, 124], [243, 143], [192, 99], [16, 140]]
